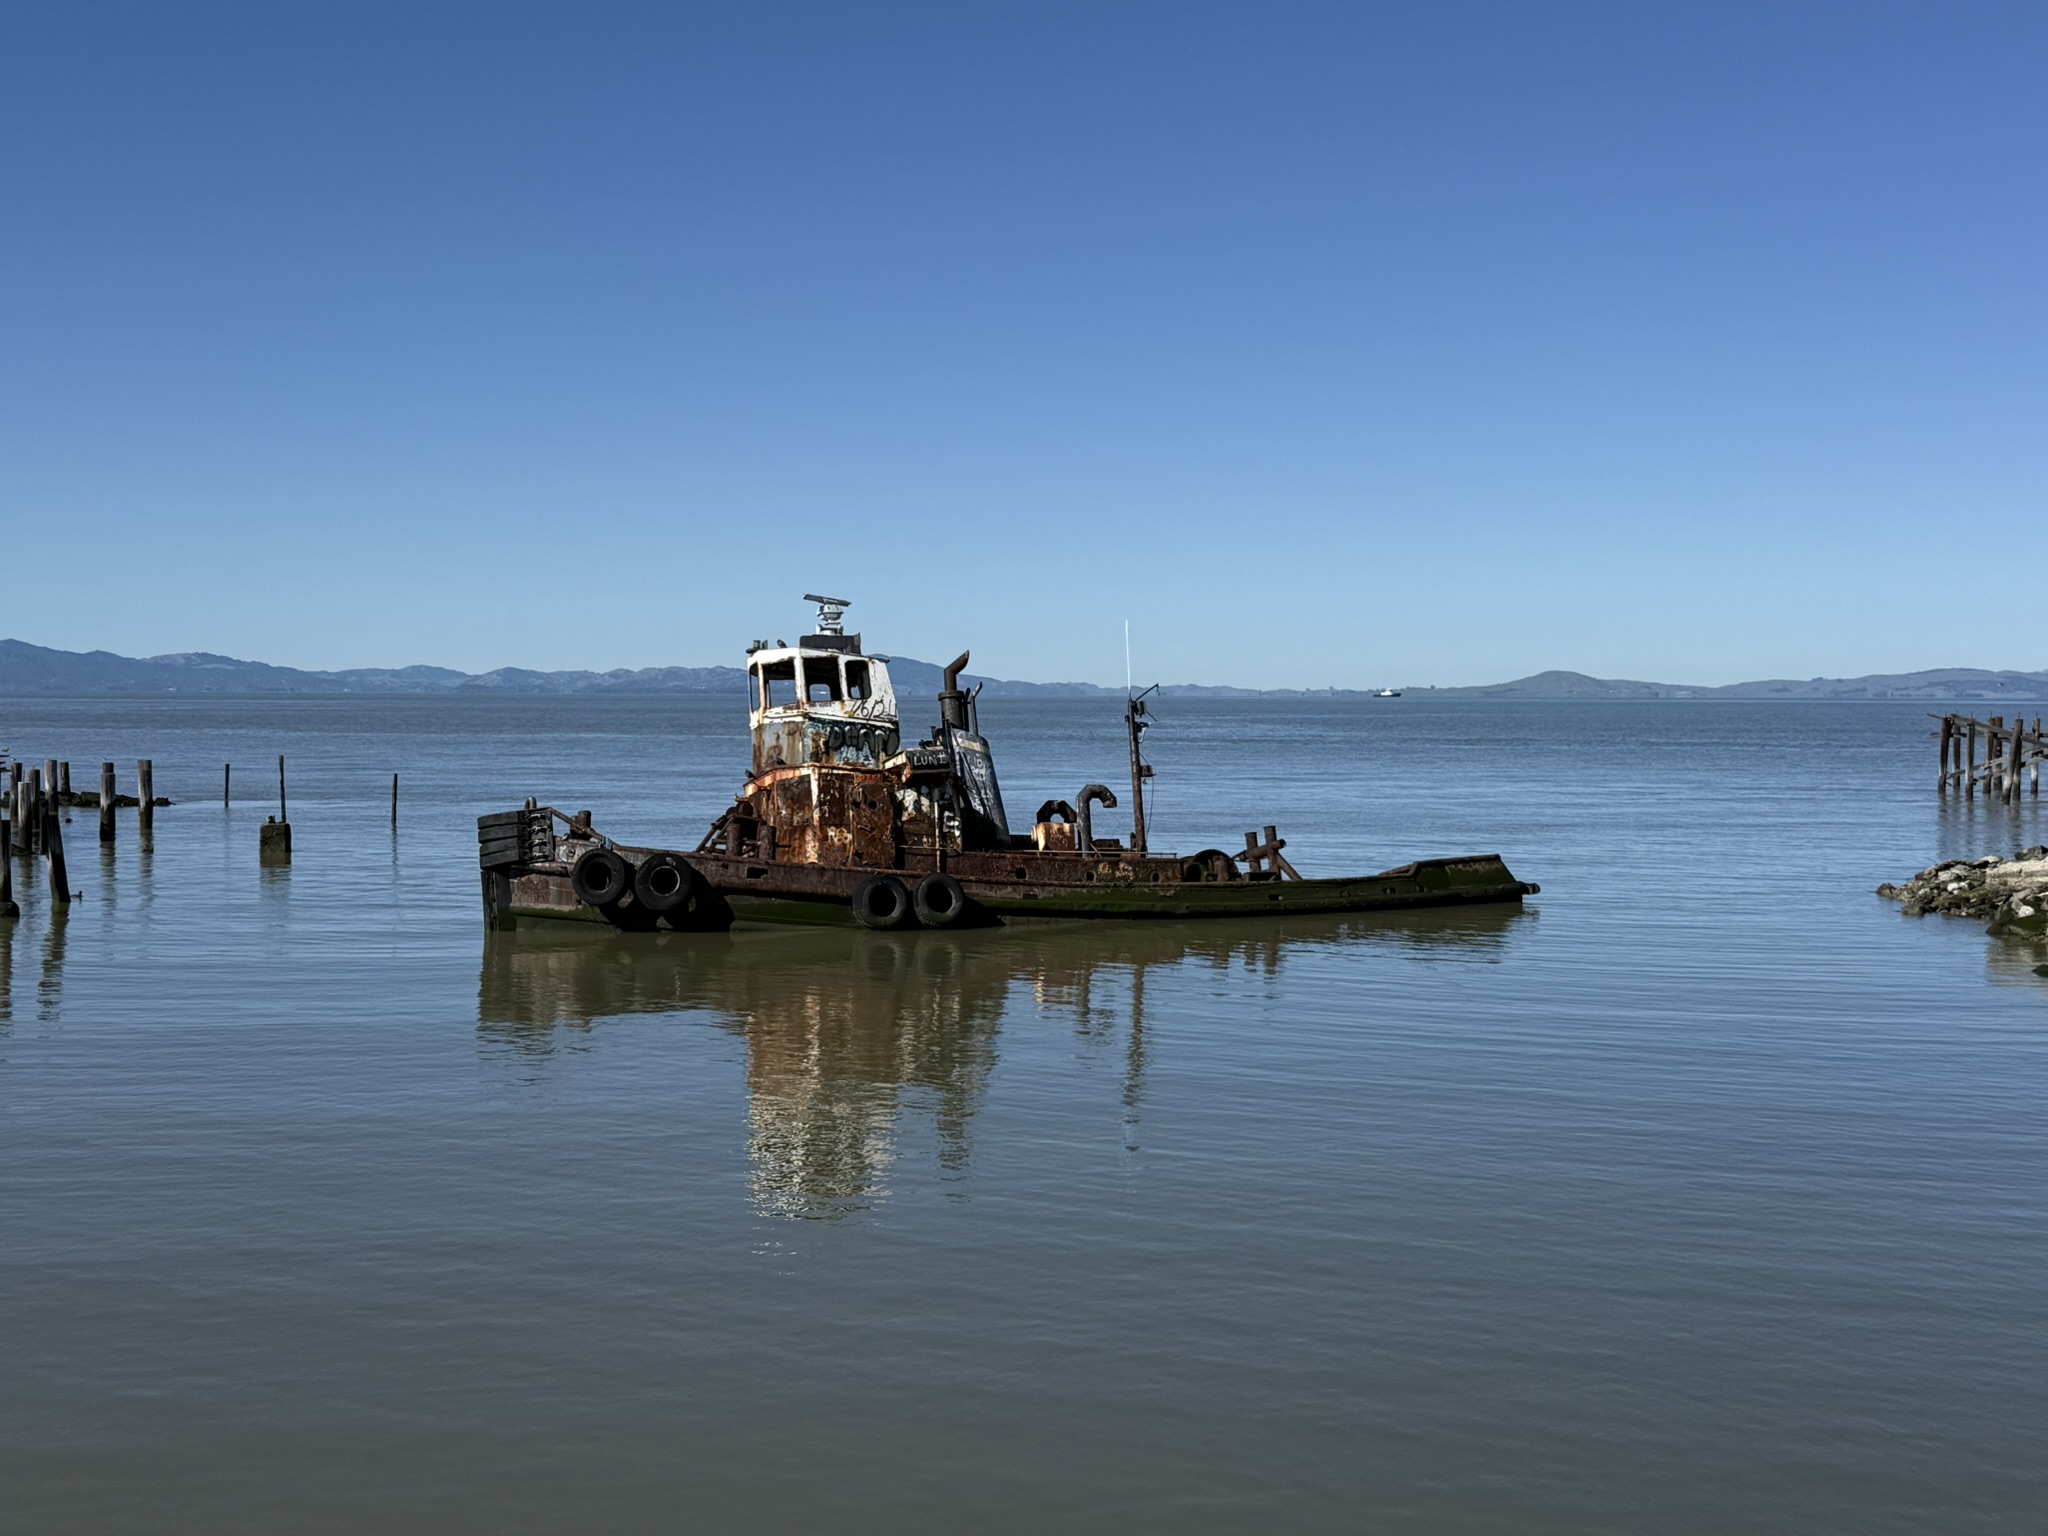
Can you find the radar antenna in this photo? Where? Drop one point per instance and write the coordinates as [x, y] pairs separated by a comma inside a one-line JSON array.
[[831, 612]]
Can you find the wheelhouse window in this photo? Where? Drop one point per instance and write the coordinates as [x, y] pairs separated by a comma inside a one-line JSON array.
[[775, 684], [821, 680], [857, 684]]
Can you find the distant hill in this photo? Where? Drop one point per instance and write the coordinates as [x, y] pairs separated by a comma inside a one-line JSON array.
[[1941, 684], [26, 668]]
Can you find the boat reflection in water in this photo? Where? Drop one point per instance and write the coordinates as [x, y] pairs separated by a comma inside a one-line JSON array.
[[847, 1030]]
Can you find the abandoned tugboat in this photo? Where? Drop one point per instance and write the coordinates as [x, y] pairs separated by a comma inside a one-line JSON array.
[[839, 817]]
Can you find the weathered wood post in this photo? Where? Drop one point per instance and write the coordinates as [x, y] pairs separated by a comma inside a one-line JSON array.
[[394, 800], [145, 791], [7, 904], [227, 778], [274, 841], [1994, 756], [2012, 763], [52, 788], [53, 849], [1948, 736], [1970, 771], [33, 811], [106, 802]]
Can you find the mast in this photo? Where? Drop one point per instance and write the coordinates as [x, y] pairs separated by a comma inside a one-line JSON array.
[[1135, 725]]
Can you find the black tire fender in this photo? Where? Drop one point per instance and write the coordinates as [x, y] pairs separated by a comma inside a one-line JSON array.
[[665, 883], [882, 902], [939, 901], [601, 877]]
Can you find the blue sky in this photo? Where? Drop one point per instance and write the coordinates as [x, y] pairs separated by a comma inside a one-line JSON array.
[[1328, 344]]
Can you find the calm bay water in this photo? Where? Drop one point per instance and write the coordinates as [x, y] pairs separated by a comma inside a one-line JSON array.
[[1705, 1194]]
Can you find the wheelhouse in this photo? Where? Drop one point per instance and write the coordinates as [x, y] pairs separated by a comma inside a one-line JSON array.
[[821, 701]]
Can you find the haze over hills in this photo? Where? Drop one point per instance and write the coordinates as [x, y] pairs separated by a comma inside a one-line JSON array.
[[26, 668]]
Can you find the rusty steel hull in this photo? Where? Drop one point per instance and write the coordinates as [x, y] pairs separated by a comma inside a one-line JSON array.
[[1017, 884]]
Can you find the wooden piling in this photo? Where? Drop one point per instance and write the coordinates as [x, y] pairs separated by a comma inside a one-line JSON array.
[[33, 811], [274, 837], [227, 777], [106, 802], [274, 842], [53, 850], [2014, 753], [7, 904], [52, 789], [145, 791], [394, 800]]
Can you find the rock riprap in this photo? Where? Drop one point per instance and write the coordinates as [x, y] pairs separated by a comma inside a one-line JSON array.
[[2010, 895]]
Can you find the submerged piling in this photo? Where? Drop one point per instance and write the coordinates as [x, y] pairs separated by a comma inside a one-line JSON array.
[[106, 802], [145, 790]]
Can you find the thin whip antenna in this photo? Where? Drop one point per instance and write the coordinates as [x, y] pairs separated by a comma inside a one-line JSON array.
[[1127, 658]]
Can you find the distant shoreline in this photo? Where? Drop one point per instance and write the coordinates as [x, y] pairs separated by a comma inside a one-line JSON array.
[[38, 670]]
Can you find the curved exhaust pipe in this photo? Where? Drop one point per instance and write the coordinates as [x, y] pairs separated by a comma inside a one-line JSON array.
[[1091, 793], [952, 702]]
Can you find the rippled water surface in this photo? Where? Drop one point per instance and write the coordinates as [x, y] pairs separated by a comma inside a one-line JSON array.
[[1705, 1193]]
